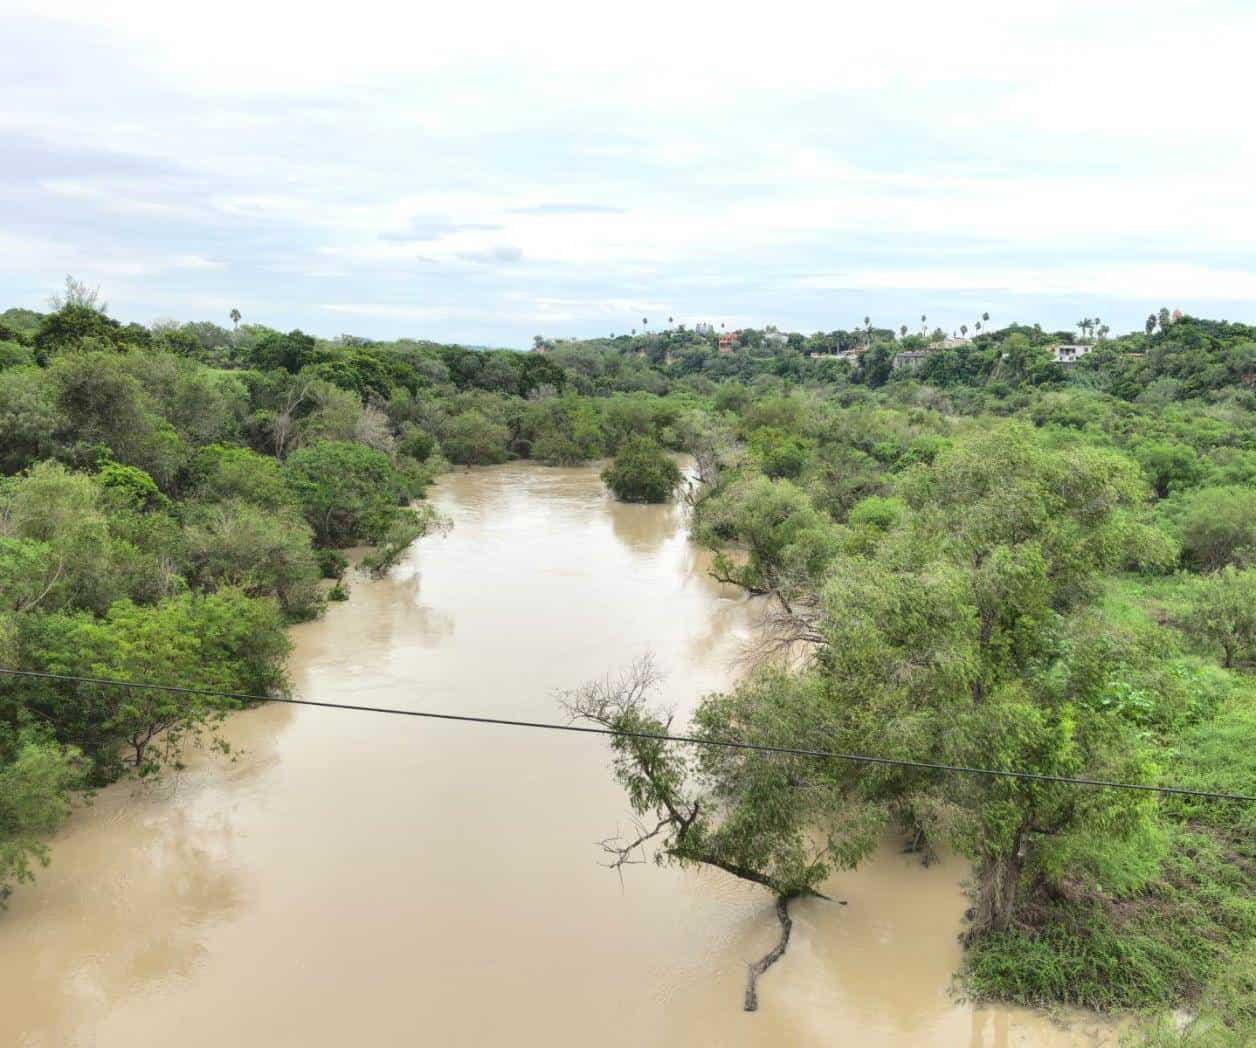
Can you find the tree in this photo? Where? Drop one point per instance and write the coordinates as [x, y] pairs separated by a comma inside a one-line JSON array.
[[29, 418], [1150, 325], [74, 325], [788, 542], [735, 810], [472, 438], [261, 552], [942, 646], [235, 319], [105, 405], [876, 365], [78, 295], [710, 440], [779, 453], [221, 473], [290, 352], [1170, 465], [349, 493], [642, 472], [36, 778], [1221, 612], [223, 642]]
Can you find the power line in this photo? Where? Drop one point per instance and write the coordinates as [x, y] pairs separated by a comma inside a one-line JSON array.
[[691, 740]]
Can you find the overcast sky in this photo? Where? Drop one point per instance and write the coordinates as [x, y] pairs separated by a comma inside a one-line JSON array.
[[483, 173]]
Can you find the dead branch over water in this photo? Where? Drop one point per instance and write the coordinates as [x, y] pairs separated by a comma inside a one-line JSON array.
[[771, 957]]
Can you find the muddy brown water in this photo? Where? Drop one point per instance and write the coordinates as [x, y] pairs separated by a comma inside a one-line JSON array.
[[356, 879]]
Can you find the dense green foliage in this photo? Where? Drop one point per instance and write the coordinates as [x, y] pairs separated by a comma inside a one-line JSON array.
[[983, 557], [642, 472]]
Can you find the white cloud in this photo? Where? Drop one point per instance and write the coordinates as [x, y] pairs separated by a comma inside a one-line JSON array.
[[1133, 281], [689, 154], [384, 309]]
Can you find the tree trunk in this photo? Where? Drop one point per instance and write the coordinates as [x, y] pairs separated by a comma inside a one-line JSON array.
[[998, 878]]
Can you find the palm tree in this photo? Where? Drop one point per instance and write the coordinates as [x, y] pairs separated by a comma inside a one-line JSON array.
[[985, 318], [645, 322], [903, 331], [235, 319], [670, 320], [924, 323], [963, 330]]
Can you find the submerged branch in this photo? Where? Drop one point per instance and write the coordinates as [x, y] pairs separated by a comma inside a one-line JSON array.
[[771, 957]]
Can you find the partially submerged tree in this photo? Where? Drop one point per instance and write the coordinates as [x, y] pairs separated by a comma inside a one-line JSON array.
[[765, 818], [36, 778], [642, 472]]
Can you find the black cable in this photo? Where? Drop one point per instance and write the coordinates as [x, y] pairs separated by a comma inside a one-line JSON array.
[[859, 758]]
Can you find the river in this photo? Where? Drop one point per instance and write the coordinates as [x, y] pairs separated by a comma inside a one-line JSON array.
[[353, 878]]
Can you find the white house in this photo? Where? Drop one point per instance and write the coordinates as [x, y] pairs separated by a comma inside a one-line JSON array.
[[1070, 354]]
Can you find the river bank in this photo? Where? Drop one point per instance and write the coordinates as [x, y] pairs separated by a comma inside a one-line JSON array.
[[353, 878]]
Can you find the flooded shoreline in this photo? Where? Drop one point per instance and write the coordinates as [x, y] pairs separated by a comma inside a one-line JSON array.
[[355, 878]]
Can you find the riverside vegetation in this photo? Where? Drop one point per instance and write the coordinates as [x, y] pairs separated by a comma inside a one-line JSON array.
[[990, 559]]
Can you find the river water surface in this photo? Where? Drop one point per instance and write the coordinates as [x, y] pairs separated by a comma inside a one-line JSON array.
[[358, 879]]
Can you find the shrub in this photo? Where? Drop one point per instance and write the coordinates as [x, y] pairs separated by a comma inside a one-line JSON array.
[[642, 472]]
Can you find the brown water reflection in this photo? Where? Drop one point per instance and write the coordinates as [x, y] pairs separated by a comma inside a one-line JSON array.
[[363, 880]]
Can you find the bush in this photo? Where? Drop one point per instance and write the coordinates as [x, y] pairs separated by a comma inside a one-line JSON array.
[[332, 564], [642, 472], [473, 439], [876, 512], [1217, 526]]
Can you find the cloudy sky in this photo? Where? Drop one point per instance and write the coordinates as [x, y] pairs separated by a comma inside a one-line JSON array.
[[483, 173]]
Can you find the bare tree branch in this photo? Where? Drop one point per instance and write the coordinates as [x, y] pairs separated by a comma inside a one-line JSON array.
[[771, 957]]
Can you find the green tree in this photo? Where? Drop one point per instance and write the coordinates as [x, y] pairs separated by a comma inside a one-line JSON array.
[[290, 352], [779, 454], [642, 472], [222, 641], [262, 552], [29, 419], [1169, 465], [787, 541], [473, 439], [745, 813], [349, 493], [36, 780], [222, 473]]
